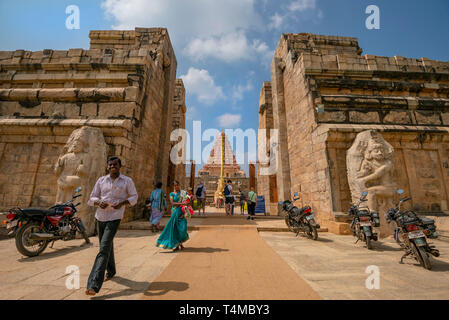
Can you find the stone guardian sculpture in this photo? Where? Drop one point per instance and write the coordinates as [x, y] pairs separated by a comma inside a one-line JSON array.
[[82, 162], [370, 168]]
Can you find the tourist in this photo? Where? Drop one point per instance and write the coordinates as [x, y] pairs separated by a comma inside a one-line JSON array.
[[175, 231], [158, 206], [111, 194], [200, 194], [242, 201], [252, 201], [229, 197]]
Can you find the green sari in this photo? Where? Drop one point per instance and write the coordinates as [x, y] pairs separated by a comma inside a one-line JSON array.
[[175, 231]]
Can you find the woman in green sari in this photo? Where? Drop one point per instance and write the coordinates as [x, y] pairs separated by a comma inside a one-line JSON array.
[[175, 231]]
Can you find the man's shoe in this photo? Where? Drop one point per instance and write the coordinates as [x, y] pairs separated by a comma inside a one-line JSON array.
[[90, 292], [108, 277]]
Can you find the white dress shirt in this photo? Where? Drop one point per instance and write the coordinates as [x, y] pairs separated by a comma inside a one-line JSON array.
[[113, 192]]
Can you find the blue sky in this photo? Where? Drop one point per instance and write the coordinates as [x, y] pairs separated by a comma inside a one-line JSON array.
[[224, 47]]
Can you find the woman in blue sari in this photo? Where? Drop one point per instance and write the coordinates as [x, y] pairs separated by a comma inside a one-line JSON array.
[[175, 231]]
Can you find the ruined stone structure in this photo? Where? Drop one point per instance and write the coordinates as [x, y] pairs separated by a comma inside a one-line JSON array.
[[178, 171], [125, 85], [323, 93]]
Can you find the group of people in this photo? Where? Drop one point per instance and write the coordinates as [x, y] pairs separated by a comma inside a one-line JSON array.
[[111, 194], [250, 199]]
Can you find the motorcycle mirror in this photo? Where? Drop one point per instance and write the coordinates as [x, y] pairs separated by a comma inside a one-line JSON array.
[[364, 194], [296, 194], [281, 203], [78, 189], [400, 191]]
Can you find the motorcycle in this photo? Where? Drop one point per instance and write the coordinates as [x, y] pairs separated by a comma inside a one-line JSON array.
[[412, 232], [35, 228], [298, 220], [363, 222]]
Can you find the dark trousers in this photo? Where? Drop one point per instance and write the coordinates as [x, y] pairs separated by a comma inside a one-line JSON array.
[[251, 208], [105, 258]]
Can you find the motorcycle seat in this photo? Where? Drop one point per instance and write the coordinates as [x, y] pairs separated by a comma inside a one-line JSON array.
[[37, 212]]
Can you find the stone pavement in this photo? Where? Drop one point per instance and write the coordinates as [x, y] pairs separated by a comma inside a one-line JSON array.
[[335, 267], [227, 259], [43, 277]]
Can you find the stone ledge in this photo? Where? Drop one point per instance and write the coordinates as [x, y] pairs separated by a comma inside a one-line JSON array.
[[123, 94], [344, 127], [4, 123]]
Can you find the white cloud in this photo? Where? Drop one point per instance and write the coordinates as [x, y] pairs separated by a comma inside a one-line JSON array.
[[185, 19], [229, 47], [239, 91], [276, 22], [229, 120], [302, 5], [200, 83]]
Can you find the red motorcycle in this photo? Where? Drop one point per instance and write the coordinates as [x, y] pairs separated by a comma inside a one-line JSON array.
[[34, 228]]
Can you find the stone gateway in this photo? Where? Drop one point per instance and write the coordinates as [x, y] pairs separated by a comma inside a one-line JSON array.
[[348, 121], [123, 94]]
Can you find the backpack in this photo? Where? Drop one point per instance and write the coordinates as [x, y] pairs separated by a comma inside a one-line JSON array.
[[226, 191], [199, 191]]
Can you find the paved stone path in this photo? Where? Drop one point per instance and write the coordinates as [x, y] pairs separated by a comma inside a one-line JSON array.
[[227, 259], [44, 277], [335, 267]]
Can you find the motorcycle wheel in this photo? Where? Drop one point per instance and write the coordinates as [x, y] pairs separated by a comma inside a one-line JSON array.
[[26, 246], [289, 225], [82, 230], [422, 256], [369, 245], [311, 232]]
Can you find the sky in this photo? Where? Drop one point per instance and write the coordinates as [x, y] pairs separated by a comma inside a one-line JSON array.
[[224, 47]]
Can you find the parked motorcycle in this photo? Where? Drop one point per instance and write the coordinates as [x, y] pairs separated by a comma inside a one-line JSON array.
[[412, 233], [363, 222], [299, 220], [35, 228]]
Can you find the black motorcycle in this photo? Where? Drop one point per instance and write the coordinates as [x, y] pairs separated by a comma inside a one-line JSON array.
[[412, 232], [363, 222], [35, 228], [298, 220]]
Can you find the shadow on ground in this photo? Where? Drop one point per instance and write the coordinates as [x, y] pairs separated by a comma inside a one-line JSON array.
[[133, 288], [198, 250], [56, 253], [161, 288]]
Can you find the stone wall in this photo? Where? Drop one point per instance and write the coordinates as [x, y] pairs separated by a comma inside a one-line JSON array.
[[124, 84], [267, 184], [329, 93]]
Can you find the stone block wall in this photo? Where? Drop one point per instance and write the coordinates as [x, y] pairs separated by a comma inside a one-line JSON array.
[[124, 84], [329, 93], [267, 184]]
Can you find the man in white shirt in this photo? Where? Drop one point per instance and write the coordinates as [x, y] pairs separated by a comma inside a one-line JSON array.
[[111, 194]]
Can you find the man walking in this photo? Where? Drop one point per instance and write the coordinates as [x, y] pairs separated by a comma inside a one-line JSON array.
[[252, 201], [200, 194], [111, 194], [229, 197]]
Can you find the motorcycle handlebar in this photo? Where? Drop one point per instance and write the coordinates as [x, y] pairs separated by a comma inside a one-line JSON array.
[[76, 205]]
